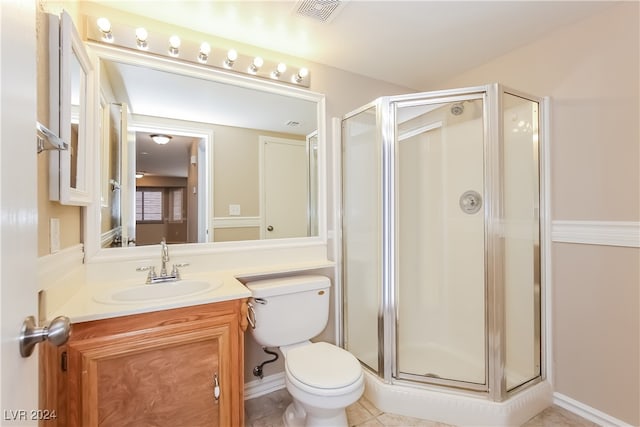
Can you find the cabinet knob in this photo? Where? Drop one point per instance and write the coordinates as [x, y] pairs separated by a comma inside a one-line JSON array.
[[216, 387]]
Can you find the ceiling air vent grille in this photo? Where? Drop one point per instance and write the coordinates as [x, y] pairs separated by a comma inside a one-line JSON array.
[[321, 10]]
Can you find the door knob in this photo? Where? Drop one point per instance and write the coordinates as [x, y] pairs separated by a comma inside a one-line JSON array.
[[270, 228], [57, 333]]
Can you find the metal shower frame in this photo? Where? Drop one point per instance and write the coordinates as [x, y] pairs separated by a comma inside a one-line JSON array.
[[495, 349]]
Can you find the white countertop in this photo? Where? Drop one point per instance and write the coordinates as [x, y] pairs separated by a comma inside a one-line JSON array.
[[82, 305]]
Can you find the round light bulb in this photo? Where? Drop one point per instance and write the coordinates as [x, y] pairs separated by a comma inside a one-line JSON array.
[[174, 42], [258, 62], [303, 72], [282, 67], [205, 48], [232, 55], [141, 34], [104, 25]]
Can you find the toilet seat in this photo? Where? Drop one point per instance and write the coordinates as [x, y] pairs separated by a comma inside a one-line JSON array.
[[323, 367]]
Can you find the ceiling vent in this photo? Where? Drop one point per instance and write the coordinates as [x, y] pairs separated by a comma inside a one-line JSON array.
[[320, 10]]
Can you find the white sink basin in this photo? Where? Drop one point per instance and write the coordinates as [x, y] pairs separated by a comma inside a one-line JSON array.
[[157, 291]]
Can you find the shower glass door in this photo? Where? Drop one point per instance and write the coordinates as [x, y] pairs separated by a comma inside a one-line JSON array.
[[440, 241], [521, 231], [362, 241]]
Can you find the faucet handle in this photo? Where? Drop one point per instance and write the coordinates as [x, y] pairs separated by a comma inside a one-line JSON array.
[[152, 272], [175, 272]]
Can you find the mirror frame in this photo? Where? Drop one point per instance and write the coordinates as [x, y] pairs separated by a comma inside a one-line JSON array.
[[70, 46], [95, 253]]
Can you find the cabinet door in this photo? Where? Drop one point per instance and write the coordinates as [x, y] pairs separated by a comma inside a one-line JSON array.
[[158, 377]]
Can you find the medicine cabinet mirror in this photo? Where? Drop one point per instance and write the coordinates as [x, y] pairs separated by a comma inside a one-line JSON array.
[[70, 174], [243, 161]]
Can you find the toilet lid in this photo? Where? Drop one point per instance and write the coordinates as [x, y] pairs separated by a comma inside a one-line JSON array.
[[323, 365]]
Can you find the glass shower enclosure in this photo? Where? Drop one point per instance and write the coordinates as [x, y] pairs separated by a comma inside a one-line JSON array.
[[441, 239]]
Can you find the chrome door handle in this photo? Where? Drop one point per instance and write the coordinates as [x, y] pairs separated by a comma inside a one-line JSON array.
[[57, 333]]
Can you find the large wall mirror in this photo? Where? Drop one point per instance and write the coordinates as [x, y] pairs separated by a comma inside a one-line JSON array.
[[192, 155]]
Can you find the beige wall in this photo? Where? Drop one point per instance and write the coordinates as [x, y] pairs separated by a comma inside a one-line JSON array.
[[596, 327], [591, 72]]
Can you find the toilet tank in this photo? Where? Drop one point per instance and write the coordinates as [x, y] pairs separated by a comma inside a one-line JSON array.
[[289, 310]]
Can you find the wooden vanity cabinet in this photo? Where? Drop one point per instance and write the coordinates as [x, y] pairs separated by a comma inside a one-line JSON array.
[[151, 369]]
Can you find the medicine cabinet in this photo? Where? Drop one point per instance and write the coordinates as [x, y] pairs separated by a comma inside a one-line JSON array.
[[71, 83]]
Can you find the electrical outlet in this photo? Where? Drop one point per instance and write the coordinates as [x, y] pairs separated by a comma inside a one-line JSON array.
[[234, 210]]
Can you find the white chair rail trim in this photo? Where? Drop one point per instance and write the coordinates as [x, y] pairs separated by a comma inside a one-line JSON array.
[[607, 233], [236, 222]]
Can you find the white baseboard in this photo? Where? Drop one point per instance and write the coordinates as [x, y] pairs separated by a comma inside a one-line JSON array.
[[607, 233], [276, 382], [586, 411], [264, 386]]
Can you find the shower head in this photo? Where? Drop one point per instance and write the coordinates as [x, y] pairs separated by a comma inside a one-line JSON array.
[[457, 109]]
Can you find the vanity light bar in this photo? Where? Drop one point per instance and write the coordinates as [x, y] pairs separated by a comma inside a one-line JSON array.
[[198, 52]]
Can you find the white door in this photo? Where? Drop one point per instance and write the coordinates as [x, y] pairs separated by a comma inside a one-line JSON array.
[[18, 208], [284, 188]]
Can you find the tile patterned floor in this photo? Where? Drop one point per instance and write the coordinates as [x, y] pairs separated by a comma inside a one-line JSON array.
[[267, 410]]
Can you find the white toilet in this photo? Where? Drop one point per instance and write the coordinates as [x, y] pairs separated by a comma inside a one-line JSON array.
[[323, 379]]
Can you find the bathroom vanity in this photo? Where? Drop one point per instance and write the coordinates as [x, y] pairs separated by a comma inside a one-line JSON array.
[[177, 367]]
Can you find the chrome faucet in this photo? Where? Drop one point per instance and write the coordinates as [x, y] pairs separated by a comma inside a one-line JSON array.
[[164, 276], [164, 257]]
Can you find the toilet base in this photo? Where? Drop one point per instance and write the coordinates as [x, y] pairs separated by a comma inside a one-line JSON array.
[[296, 416], [321, 408]]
